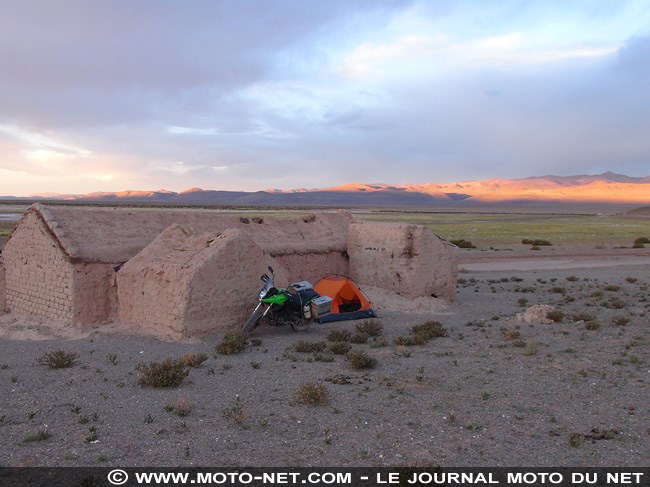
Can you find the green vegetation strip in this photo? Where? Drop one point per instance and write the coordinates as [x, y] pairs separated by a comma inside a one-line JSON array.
[[512, 229]]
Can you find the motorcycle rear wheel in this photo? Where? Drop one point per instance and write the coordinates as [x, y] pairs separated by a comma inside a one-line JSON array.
[[301, 324]]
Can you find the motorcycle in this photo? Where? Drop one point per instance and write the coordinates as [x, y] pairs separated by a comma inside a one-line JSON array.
[[290, 306]]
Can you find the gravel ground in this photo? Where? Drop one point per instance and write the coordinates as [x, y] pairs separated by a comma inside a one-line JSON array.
[[560, 395]]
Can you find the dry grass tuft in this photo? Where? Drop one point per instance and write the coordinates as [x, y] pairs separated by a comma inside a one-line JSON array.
[[361, 360], [40, 435], [194, 360], [620, 320], [232, 343], [168, 373], [181, 407], [511, 334], [429, 330], [312, 394], [370, 328], [409, 340], [359, 337], [235, 413], [339, 348], [309, 347], [339, 335], [58, 359]]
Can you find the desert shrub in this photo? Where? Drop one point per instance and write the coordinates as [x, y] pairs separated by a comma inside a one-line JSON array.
[[510, 334], [592, 325], [339, 348], [359, 337], [620, 320], [558, 290], [324, 357], [58, 359], [631, 280], [555, 315], [255, 342], [612, 288], [309, 347], [312, 394], [535, 247], [339, 335], [370, 328], [235, 413], [409, 340], [538, 242], [463, 244], [361, 360], [531, 348], [638, 245], [582, 317], [429, 330], [40, 435], [642, 240], [232, 343], [576, 440], [522, 302], [168, 373], [379, 343], [194, 360], [181, 407], [572, 278], [615, 303]]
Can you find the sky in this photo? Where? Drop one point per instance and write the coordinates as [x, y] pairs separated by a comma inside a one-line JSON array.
[[252, 95]]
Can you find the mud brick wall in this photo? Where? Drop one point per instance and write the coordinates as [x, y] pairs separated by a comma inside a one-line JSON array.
[[224, 287], [39, 277], [95, 296], [407, 259], [314, 266], [187, 283]]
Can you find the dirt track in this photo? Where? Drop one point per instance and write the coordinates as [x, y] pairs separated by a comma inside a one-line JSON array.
[[472, 398]]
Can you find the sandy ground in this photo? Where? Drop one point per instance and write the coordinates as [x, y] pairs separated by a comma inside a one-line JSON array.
[[472, 398]]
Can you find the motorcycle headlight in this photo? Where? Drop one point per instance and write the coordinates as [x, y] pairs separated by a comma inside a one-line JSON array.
[[263, 292]]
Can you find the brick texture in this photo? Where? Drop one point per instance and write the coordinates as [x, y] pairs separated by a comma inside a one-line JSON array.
[[39, 277]]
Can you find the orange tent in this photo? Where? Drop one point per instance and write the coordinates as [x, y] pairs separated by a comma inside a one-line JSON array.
[[348, 301]]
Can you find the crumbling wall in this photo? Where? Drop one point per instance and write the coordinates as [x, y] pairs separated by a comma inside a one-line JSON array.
[[186, 283], [407, 259], [314, 266], [38, 274]]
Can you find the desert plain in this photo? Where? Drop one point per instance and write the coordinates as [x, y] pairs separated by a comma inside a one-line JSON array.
[[500, 381]]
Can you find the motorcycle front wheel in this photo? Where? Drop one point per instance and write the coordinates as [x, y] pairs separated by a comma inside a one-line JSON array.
[[252, 322]]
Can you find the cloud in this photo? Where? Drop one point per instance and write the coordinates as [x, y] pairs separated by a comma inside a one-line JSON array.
[[237, 95]]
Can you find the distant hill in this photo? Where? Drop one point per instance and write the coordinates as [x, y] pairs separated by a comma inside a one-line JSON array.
[[607, 187], [643, 211]]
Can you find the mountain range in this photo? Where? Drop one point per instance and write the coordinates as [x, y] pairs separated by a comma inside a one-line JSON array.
[[608, 187]]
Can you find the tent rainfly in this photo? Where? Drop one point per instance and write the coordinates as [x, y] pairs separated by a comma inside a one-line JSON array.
[[348, 301]]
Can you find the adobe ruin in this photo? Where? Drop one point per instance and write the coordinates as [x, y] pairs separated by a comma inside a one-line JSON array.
[[188, 272]]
